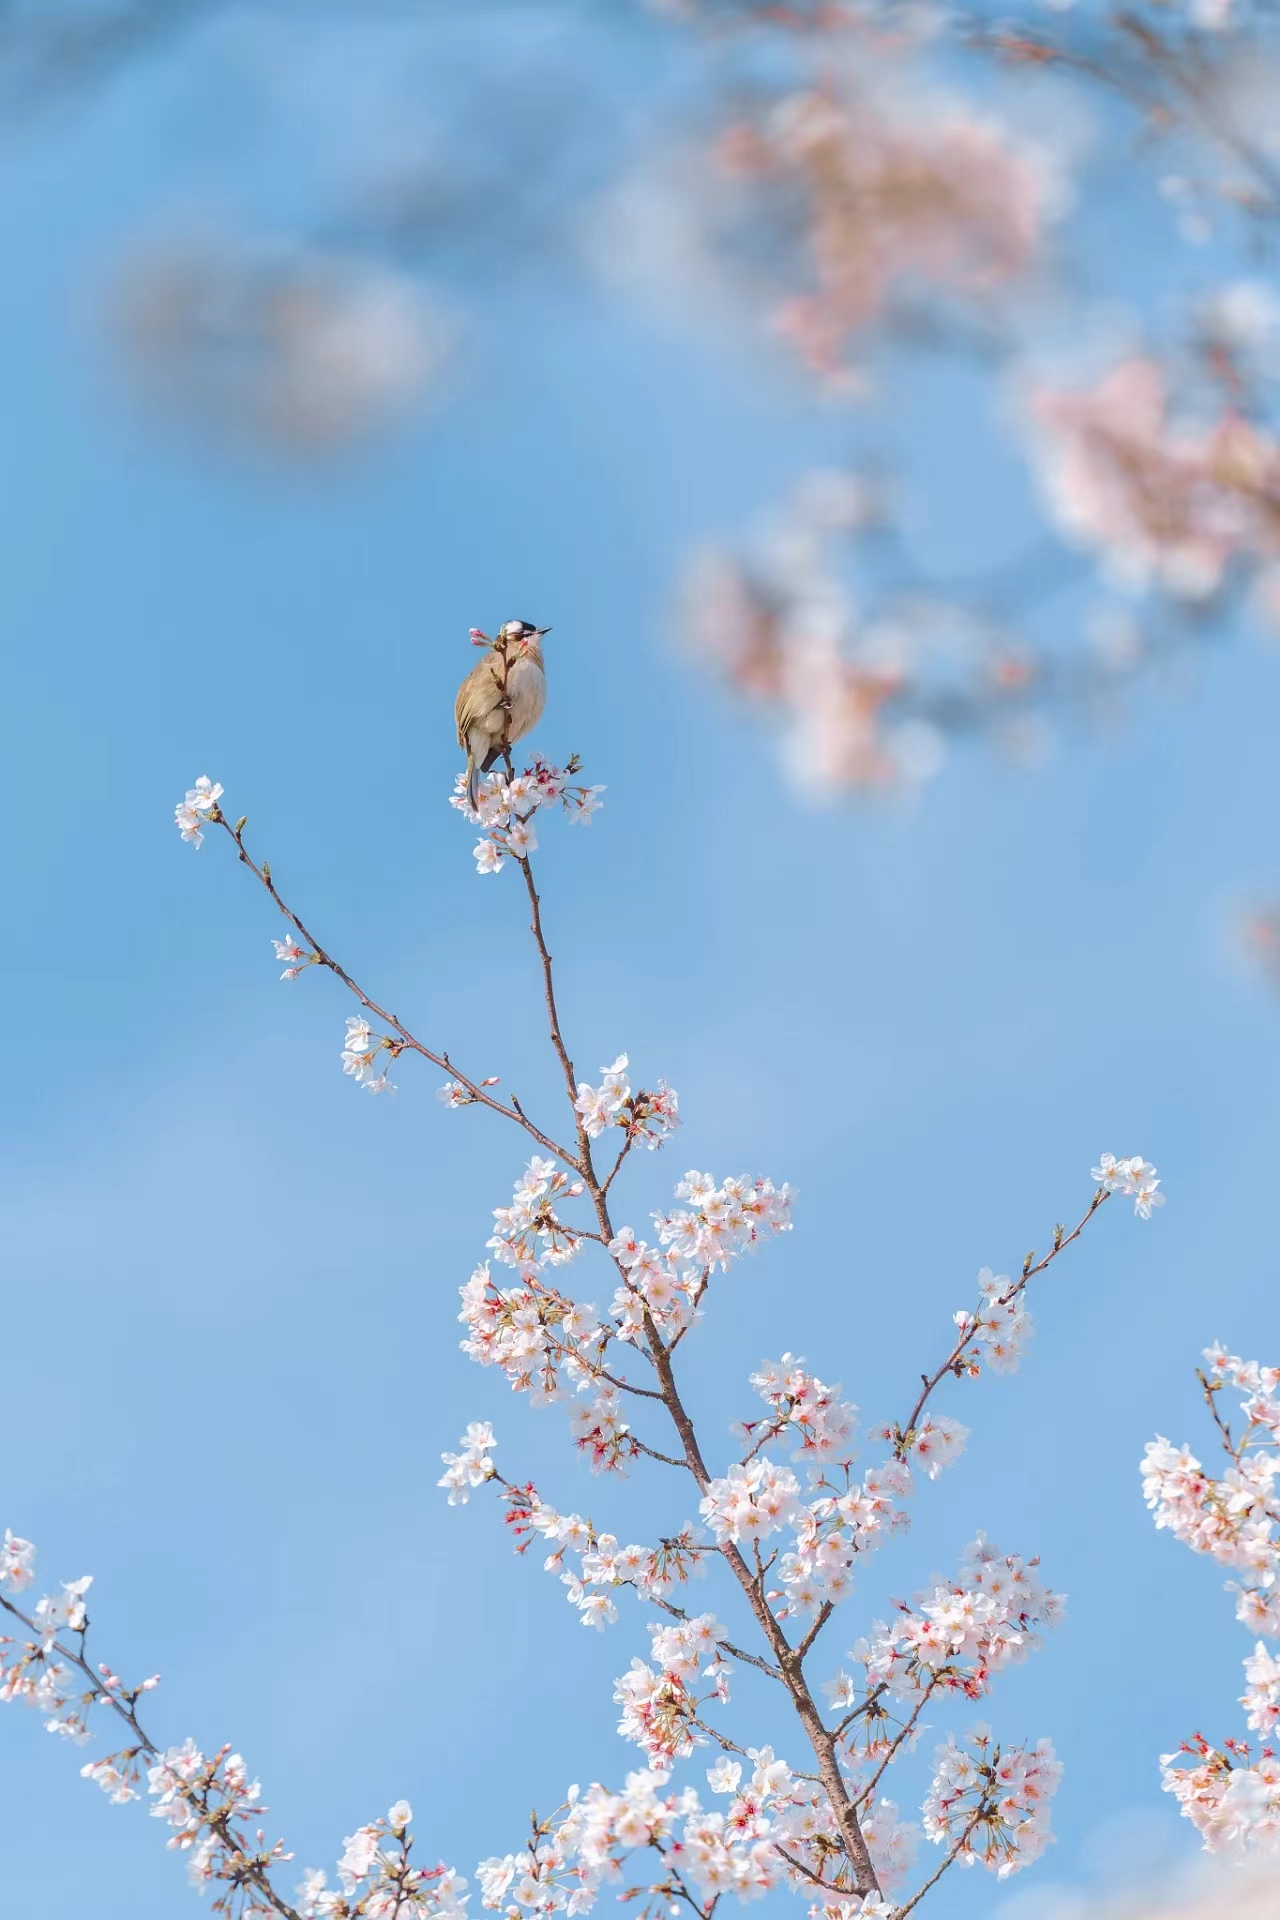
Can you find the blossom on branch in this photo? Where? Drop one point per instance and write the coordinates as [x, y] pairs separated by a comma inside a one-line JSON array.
[[196, 809]]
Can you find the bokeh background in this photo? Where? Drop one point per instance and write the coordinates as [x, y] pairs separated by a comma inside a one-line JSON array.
[[230, 1335]]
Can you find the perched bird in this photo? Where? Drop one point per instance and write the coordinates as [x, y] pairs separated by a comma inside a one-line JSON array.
[[501, 698]]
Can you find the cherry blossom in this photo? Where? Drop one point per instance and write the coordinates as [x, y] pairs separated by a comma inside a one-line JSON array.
[[17, 1563], [999, 1328], [1134, 1176], [506, 806], [197, 808], [472, 1466], [992, 1804], [751, 1501], [959, 1634], [1229, 1795], [648, 1119]]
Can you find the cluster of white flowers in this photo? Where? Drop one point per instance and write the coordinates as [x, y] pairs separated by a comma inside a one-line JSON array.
[[298, 957], [528, 1235], [1134, 1176], [999, 1327], [472, 1466], [599, 1831], [832, 1530], [203, 1800], [1233, 1518], [962, 1632], [751, 1501], [549, 1345], [806, 1411], [740, 1851], [377, 1881], [531, 1332], [657, 1713], [648, 1119], [1231, 1798], [937, 1442], [994, 1802], [32, 1672], [602, 1565], [360, 1049], [506, 808], [192, 812], [723, 1221], [1234, 1806], [659, 1703]]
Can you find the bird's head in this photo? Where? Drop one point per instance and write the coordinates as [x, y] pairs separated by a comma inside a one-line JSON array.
[[521, 633]]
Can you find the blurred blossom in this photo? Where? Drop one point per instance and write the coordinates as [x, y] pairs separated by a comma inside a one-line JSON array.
[[861, 199], [894, 192], [303, 350], [870, 679], [1164, 503], [1257, 935]]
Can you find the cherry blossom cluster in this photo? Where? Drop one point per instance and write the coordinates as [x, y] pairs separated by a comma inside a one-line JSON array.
[[751, 1501], [378, 1881], [1133, 1176], [1230, 1794], [804, 1411], [507, 806], [660, 1702], [203, 1800], [529, 1235], [829, 1533], [996, 1330], [470, 1467], [194, 812], [721, 1222], [361, 1049], [647, 1119], [542, 1340], [991, 1803], [547, 1344], [1232, 1800], [961, 1633], [774, 1832], [603, 1566], [597, 1834]]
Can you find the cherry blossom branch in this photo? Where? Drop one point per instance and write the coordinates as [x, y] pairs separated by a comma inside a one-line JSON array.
[[979, 1815], [789, 1661], [903, 1734], [247, 1869], [1061, 1241], [407, 1042], [1211, 1390]]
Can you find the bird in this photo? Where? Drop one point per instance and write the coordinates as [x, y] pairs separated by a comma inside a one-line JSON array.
[[501, 698]]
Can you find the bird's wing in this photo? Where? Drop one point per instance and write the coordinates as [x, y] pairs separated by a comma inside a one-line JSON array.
[[475, 697]]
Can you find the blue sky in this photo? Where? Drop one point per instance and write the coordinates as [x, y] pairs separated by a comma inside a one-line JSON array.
[[231, 1281]]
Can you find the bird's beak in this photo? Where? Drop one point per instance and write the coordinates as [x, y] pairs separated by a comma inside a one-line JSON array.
[[541, 630]]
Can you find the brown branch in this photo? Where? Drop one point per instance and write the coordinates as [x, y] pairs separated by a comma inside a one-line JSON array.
[[405, 1040], [1030, 1268]]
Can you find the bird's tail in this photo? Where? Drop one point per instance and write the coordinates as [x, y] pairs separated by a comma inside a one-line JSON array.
[[473, 781]]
